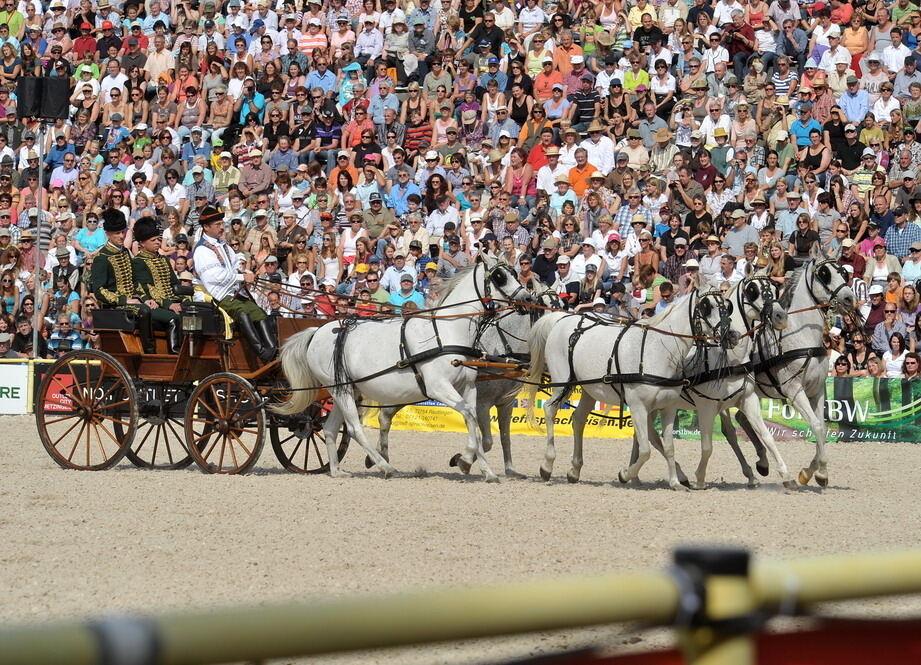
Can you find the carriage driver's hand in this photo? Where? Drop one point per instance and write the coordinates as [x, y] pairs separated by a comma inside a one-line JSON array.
[[176, 307], [249, 278], [153, 304], [134, 301]]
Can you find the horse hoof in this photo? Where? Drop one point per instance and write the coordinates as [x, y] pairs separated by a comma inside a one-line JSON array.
[[821, 481], [763, 468], [368, 462], [514, 475], [622, 478], [453, 461], [753, 483], [678, 487], [463, 464], [387, 470], [803, 477], [572, 477], [492, 478], [544, 474], [791, 484], [339, 473], [697, 486]]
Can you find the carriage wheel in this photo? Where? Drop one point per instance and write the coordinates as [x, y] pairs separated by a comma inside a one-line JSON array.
[[86, 411], [160, 439], [300, 443], [224, 424]]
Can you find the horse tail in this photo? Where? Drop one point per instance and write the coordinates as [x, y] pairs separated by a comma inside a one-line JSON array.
[[537, 342], [297, 371]]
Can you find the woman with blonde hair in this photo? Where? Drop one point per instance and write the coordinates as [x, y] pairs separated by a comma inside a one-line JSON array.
[[909, 305], [329, 259], [779, 263]]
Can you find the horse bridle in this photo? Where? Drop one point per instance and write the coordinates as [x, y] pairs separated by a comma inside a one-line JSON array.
[[814, 274], [698, 320], [767, 289], [489, 303]]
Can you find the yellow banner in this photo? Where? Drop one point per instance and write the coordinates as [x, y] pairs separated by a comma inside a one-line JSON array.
[[434, 416]]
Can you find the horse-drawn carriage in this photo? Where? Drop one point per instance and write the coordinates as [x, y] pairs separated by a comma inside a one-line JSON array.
[[163, 411]]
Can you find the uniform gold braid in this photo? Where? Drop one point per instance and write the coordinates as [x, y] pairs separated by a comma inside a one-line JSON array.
[[161, 272], [125, 287]]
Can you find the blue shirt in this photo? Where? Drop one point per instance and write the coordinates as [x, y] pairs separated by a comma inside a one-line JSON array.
[[855, 107], [107, 177], [91, 241], [900, 239], [379, 105], [399, 196], [801, 131], [190, 151], [326, 80], [259, 101], [55, 156], [397, 298]]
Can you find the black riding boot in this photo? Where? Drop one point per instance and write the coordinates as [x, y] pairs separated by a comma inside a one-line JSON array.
[[146, 329], [250, 333], [269, 338], [174, 335]]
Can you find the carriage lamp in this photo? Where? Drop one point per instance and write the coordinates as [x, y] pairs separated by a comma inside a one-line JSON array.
[[192, 324]]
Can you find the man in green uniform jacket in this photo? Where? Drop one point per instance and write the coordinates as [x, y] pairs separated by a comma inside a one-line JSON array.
[[112, 278], [157, 280]]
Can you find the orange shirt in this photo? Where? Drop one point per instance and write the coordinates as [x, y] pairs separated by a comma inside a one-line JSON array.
[[562, 57], [352, 131], [543, 85], [334, 175], [579, 178]]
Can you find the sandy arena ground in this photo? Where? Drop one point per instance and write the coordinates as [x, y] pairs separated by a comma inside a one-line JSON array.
[[78, 543]]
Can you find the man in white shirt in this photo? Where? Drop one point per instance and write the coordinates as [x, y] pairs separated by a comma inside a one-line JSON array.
[[600, 148], [391, 278], [444, 213], [715, 118], [215, 265], [894, 55], [113, 79], [548, 173]]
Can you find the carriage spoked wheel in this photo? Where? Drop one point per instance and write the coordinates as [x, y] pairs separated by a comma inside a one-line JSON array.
[[160, 439], [86, 411], [224, 424], [299, 441]]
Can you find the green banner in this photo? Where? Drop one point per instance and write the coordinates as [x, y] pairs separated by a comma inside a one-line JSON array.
[[858, 409]]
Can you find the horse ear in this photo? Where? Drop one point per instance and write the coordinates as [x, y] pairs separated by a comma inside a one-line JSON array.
[[486, 259], [749, 268]]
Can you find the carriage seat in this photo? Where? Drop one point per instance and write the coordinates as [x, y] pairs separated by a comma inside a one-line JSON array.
[[114, 319], [204, 315]]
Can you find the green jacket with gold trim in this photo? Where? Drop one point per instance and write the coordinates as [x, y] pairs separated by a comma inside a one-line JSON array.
[[112, 279], [156, 277]]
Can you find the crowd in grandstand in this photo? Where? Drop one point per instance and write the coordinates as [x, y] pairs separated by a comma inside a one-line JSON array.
[[357, 153]]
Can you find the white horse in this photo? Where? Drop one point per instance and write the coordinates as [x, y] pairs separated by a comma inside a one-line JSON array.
[[720, 379], [401, 360], [502, 337], [640, 364], [793, 365]]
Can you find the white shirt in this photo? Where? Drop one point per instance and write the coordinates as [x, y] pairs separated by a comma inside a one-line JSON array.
[[531, 18], [546, 177], [435, 224], [722, 12], [893, 58], [707, 126], [110, 82], [216, 268], [600, 154]]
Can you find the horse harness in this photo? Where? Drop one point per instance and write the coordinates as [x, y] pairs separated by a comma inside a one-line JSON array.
[[410, 360], [768, 361]]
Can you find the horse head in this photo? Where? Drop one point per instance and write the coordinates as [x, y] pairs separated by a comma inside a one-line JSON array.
[[500, 282], [828, 282], [757, 300], [710, 319]]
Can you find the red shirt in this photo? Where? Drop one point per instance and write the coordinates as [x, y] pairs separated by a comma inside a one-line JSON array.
[[538, 157]]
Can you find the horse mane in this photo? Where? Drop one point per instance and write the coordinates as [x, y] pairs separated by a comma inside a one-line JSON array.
[[449, 285], [786, 295]]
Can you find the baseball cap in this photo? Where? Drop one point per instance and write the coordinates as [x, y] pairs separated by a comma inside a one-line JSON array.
[[876, 290], [562, 259]]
